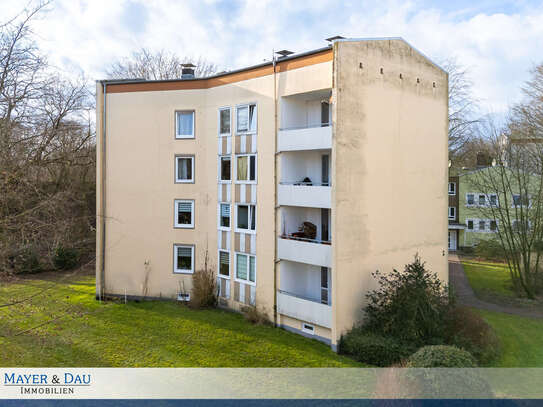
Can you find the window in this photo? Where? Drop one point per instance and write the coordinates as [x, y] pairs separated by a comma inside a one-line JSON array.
[[452, 212], [246, 168], [224, 121], [184, 124], [452, 188], [246, 218], [470, 225], [308, 329], [520, 226], [325, 286], [493, 226], [482, 200], [184, 297], [225, 165], [482, 225], [224, 264], [519, 200], [184, 213], [470, 199], [184, 169], [493, 200], [246, 118], [183, 258], [224, 216], [246, 268]]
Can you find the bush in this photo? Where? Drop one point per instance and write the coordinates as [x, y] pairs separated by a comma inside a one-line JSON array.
[[374, 349], [256, 316], [489, 249], [65, 258], [441, 356], [469, 331], [412, 305], [204, 289], [30, 262]]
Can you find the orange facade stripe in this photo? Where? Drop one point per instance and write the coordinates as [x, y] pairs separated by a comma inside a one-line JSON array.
[[295, 63]]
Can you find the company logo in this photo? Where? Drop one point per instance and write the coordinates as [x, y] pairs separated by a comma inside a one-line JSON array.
[[40, 383]]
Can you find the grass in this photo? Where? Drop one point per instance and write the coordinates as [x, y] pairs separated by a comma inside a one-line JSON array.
[[489, 279], [522, 339], [63, 325]]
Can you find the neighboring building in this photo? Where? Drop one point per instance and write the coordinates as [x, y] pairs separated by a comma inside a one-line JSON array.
[[298, 178], [453, 212]]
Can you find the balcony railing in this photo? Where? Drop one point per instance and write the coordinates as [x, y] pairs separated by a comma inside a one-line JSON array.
[[304, 309], [303, 250], [307, 194], [305, 138]]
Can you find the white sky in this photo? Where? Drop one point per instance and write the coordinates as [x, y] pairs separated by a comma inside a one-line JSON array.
[[499, 40]]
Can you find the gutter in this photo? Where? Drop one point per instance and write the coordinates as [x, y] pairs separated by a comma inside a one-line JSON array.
[[103, 193]]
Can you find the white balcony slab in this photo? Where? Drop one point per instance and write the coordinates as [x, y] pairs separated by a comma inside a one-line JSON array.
[[304, 310], [316, 196], [312, 138], [304, 252]]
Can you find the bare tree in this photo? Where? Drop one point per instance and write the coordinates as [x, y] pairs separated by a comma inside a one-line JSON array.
[[462, 110], [47, 154], [518, 182], [157, 65]]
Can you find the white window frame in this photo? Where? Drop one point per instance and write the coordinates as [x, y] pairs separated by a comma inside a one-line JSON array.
[[467, 223], [221, 109], [490, 224], [175, 213], [485, 203], [452, 191], [185, 136], [490, 202], [176, 165], [219, 226], [219, 264], [182, 271], [521, 205], [247, 105], [219, 175], [308, 328], [474, 202], [248, 268], [248, 169], [453, 217], [250, 214], [484, 222]]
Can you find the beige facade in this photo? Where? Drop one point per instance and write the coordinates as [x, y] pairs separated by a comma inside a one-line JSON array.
[[365, 121]]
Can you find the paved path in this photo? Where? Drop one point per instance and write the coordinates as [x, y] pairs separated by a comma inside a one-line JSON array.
[[465, 295]]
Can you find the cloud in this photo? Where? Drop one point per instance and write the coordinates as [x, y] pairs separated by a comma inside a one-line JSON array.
[[496, 40]]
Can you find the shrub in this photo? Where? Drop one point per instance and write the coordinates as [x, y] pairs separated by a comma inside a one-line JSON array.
[[65, 258], [469, 331], [441, 356], [256, 316], [489, 249], [30, 262], [204, 287], [373, 349], [411, 305]]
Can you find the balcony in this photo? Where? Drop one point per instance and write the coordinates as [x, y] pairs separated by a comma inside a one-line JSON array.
[[306, 138], [304, 194], [301, 250], [304, 309]]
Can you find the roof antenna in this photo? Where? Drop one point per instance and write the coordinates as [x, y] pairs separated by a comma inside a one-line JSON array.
[[284, 53], [337, 37]]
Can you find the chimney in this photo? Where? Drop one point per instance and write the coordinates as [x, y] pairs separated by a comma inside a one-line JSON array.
[[187, 71], [482, 160]]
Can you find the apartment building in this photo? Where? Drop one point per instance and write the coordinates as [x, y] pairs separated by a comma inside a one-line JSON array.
[[295, 179]]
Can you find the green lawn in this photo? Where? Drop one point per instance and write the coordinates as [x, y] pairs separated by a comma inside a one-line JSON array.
[[489, 279], [66, 326], [522, 339]]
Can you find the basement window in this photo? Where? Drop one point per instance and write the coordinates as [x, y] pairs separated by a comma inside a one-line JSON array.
[[184, 124], [246, 116], [308, 328], [183, 259], [184, 297], [184, 213]]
